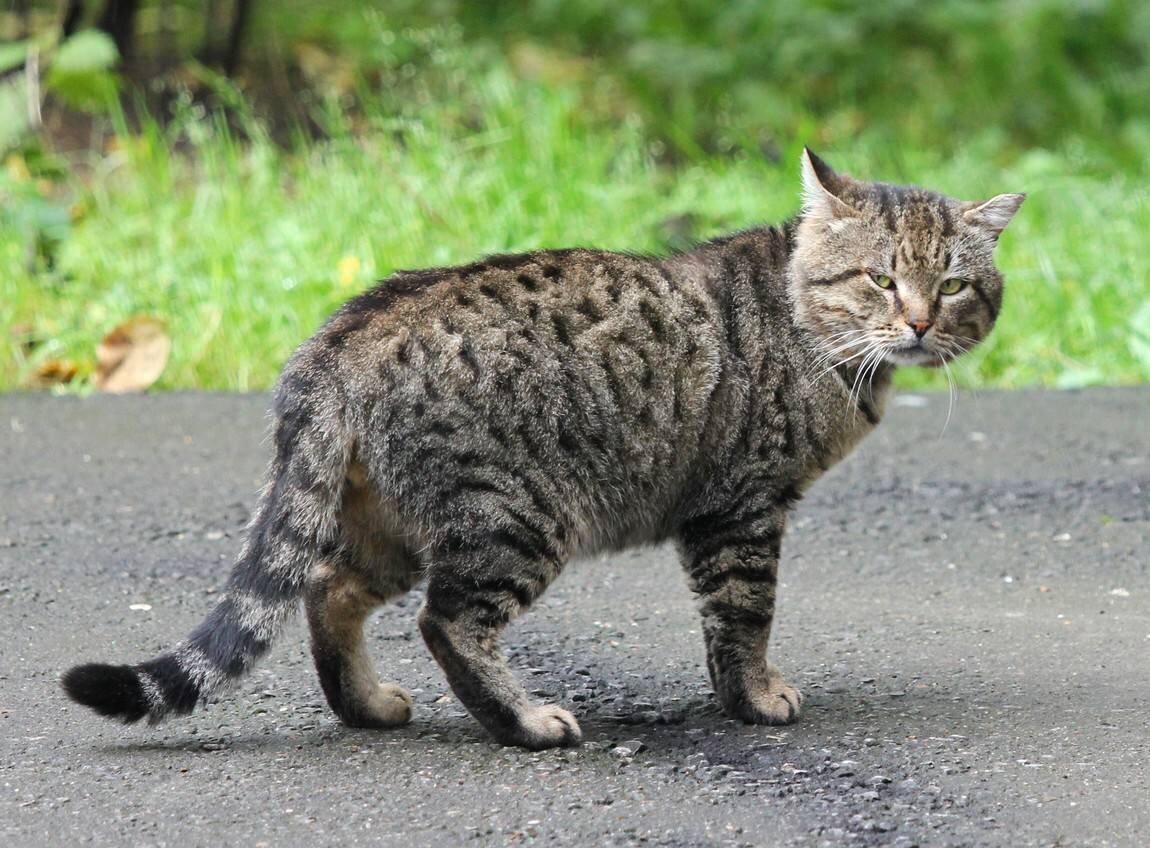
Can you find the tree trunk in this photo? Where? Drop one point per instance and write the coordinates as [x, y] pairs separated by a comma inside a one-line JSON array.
[[73, 12], [119, 21], [241, 15]]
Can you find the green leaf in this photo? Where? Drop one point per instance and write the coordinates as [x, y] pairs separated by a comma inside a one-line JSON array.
[[13, 55], [86, 52], [91, 92], [81, 73]]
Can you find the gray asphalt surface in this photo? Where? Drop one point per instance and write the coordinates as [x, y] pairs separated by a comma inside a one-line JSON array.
[[968, 616]]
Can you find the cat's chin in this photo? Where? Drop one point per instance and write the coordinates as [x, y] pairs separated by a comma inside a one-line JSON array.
[[917, 356]]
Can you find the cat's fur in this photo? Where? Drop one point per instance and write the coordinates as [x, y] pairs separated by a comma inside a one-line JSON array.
[[479, 426]]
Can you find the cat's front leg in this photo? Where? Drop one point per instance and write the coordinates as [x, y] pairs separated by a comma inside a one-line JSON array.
[[732, 558]]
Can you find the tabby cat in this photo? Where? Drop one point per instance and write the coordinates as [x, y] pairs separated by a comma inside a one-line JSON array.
[[480, 426]]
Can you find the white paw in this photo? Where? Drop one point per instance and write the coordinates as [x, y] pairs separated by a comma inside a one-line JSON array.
[[388, 706], [547, 726]]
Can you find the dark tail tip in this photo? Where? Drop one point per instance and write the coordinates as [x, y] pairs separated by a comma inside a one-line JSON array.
[[111, 690]]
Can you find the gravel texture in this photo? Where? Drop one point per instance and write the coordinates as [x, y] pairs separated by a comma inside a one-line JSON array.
[[966, 612]]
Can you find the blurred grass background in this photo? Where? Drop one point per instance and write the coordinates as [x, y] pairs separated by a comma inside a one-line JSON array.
[[356, 138]]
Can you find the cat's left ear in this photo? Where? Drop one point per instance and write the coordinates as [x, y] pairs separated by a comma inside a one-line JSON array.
[[821, 189], [993, 215]]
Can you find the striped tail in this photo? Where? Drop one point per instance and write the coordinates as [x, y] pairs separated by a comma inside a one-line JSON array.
[[294, 526]]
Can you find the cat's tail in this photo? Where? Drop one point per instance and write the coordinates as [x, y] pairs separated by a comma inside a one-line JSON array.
[[294, 525]]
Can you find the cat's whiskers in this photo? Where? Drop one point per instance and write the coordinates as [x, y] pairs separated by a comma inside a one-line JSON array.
[[834, 338], [874, 370], [869, 346], [835, 365], [852, 405], [956, 337], [952, 394], [877, 352], [962, 345], [953, 346], [830, 362], [835, 344]]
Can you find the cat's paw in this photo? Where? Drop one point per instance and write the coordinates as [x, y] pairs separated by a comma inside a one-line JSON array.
[[775, 702], [388, 705], [546, 726]]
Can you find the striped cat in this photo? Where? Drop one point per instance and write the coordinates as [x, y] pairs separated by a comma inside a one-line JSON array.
[[480, 426]]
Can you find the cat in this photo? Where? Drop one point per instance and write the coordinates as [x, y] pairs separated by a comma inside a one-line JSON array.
[[479, 426]]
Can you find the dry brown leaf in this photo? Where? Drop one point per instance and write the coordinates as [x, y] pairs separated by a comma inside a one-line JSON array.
[[26, 337], [334, 75], [52, 372], [132, 356]]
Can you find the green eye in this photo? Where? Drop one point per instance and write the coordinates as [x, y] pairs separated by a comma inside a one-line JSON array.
[[952, 286], [882, 281]]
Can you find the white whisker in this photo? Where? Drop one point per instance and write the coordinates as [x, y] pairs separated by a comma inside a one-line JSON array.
[[873, 371], [875, 353], [951, 393], [866, 350], [834, 347], [829, 361]]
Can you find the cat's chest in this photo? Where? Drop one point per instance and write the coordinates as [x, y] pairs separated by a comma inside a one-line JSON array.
[[838, 443], [808, 431]]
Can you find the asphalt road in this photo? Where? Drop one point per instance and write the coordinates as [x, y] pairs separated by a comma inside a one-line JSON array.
[[967, 614]]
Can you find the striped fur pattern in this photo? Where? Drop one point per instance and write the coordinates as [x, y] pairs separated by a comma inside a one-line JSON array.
[[480, 426]]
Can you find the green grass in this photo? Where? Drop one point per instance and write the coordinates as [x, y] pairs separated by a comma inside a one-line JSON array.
[[242, 247], [715, 76]]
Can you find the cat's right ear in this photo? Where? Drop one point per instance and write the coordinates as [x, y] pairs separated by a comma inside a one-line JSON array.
[[821, 187]]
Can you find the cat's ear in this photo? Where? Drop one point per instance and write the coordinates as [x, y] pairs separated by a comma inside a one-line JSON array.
[[993, 215], [821, 188]]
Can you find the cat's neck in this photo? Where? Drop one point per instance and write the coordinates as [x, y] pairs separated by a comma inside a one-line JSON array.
[[760, 255], [760, 260]]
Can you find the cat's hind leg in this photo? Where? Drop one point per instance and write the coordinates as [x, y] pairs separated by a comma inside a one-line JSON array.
[[473, 591], [338, 603], [372, 567]]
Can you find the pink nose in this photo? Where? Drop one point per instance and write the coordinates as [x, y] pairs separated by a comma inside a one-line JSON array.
[[920, 326]]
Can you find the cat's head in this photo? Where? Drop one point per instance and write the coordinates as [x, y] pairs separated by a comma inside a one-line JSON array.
[[892, 272]]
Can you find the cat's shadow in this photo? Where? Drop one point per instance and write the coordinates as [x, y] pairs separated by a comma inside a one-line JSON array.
[[699, 726]]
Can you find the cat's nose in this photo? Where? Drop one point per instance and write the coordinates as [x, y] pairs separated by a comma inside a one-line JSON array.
[[920, 326]]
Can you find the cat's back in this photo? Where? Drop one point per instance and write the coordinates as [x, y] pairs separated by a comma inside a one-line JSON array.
[[575, 291], [607, 318]]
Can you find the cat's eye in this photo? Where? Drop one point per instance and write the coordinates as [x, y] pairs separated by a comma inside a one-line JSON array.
[[952, 286], [882, 281]]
